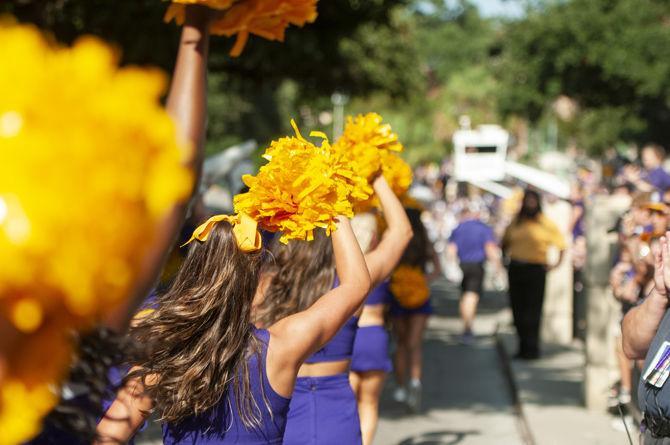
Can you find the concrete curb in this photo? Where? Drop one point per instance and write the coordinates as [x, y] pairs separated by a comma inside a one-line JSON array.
[[522, 422]]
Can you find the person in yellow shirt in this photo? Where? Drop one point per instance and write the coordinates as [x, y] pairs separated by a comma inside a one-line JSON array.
[[526, 243]]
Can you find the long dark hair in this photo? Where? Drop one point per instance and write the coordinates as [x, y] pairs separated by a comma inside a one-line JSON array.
[[198, 339], [302, 271], [418, 250], [525, 212]]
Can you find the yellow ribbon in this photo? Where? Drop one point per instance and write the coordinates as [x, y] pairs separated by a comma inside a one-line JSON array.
[[245, 229]]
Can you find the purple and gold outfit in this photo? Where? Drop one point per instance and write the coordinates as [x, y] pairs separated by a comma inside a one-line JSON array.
[[371, 347]]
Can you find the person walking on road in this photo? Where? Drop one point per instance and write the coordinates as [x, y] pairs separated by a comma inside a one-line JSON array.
[[526, 242], [473, 242]]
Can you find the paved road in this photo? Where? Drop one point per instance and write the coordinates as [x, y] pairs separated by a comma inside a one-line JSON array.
[[466, 398]]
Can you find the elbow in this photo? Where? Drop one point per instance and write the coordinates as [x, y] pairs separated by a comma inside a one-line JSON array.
[[361, 284], [365, 282], [629, 351], [405, 235], [358, 283]]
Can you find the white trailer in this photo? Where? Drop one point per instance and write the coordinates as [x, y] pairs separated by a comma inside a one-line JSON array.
[[480, 158]]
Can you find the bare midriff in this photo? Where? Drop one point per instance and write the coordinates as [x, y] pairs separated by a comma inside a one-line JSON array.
[[372, 315], [323, 369]]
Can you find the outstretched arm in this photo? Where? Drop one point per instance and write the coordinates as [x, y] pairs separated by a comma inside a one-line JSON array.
[[186, 103], [384, 258], [298, 336]]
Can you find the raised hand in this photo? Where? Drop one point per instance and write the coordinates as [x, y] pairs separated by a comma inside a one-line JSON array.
[[662, 266]]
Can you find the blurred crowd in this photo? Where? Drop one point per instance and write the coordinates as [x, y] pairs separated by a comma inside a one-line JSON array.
[[638, 177]]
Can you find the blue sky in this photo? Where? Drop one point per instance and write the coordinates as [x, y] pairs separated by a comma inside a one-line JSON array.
[[509, 8], [497, 8], [488, 8]]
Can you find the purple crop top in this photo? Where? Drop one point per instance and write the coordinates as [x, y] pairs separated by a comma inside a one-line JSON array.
[[379, 295], [222, 425], [339, 347]]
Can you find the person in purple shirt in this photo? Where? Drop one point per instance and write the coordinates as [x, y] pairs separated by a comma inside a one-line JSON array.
[[472, 241], [653, 176]]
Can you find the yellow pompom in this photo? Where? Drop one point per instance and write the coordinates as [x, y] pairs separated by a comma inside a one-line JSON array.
[[369, 146], [397, 173], [302, 187], [29, 389], [265, 18], [22, 410], [27, 314], [409, 286], [90, 167], [86, 175]]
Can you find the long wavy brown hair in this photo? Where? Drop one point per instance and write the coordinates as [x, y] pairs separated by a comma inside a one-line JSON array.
[[301, 272], [198, 340]]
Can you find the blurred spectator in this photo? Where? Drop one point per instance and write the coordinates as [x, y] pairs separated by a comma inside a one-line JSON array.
[[652, 176], [526, 242], [578, 262], [631, 277], [473, 242]]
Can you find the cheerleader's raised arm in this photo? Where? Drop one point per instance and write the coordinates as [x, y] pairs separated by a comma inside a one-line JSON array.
[[384, 258], [298, 336], [187, 104]]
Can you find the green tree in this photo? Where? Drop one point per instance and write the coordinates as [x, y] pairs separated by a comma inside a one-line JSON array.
[[359, 47], [611, 56]]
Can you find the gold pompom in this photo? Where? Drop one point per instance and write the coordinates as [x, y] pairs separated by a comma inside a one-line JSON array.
[[302, 187], [409, 286], [370, 147], [265, 18], [90, 166]]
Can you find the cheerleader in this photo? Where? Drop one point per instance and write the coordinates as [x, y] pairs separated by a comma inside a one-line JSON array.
[[410, 321], [210, 375], [370, 362], [323, 409]]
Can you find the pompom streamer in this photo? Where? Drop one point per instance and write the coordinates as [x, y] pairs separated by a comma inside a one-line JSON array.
[[264, 18], [90, 166], [301, 188], [371, 148]]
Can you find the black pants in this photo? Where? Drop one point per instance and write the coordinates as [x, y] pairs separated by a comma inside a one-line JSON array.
[[473, 277], [526, 292]]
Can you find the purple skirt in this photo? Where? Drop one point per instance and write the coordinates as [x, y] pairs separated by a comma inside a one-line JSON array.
[[397, 310], [371, 350], [323, 411]]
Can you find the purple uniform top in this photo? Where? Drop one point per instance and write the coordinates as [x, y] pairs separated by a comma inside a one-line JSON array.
[[659, 178], [379, 295], [471, 237], [222, 425], [339, 347]]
